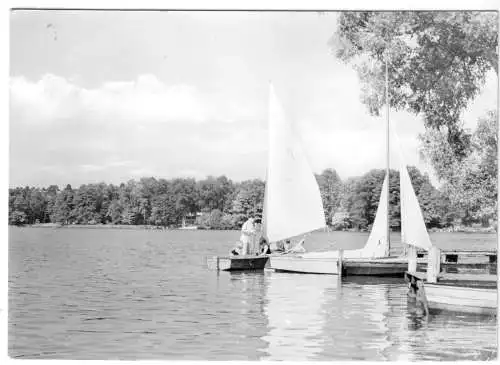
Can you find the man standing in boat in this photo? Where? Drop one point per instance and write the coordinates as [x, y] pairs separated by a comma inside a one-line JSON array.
[[247, 237]]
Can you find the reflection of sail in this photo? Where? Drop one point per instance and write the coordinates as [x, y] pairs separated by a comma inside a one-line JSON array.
[[295, 306], [357, 322]]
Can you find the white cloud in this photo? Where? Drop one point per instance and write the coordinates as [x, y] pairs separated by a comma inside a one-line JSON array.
[[141, 101], [141, 172], [90, 167], [119, 163]]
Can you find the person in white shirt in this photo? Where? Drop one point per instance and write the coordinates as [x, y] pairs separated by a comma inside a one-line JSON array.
[[247, 236]]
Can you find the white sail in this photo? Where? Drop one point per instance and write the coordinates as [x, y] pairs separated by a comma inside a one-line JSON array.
[[292, 203], [413, 230], [377, 244]]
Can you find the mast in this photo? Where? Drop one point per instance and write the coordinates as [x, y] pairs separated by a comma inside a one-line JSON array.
[[387, 151]]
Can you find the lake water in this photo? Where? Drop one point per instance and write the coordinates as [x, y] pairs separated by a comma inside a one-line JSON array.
[[136, 294]]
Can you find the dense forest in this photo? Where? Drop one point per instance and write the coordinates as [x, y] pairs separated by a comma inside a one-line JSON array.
[[219, 203]]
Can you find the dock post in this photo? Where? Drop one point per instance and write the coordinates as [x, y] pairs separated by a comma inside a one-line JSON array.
[[434, 264], [217, 264], [412, 258], [339, 262]]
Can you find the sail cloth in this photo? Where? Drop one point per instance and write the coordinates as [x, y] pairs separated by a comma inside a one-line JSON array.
[[292, 202], [377, 244], [413, 230]]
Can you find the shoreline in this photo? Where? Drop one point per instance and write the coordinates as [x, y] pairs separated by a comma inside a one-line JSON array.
[[488, 230]]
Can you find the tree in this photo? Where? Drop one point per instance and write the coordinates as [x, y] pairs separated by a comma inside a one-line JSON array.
[[214, 193], [163, 210], [114, 212], [330, 186], [364, 197], [438, 62], [63, 206], [87, 204], [249, 200], [17, 208], [185, 195], [470, 183]]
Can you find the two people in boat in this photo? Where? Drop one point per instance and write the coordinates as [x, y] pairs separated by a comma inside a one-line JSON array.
[[251, 235], [287, 246]]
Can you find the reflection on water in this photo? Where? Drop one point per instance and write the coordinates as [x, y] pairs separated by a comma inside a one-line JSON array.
[[450, 335], [108, 294], [295, 310]]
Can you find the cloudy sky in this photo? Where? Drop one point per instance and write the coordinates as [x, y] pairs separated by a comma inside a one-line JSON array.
[[110, 96]]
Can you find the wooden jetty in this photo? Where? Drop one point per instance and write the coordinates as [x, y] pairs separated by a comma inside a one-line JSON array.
[[237, 263], [465, 257], [397, 266], [468, 293]]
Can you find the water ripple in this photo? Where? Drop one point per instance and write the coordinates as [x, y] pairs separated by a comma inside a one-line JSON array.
[[129, 295]]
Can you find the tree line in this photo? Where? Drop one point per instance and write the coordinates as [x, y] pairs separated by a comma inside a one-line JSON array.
[[220, 203]]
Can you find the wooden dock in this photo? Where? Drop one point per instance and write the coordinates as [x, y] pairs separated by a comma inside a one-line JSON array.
[[437, 290], [464, 257], [451, 260]]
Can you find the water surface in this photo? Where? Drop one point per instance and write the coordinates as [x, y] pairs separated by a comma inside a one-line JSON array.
[[126, 294]]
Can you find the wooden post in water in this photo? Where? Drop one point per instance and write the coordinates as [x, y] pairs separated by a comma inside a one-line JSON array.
[[412, 258], [217, 263], [434, 264], [339, 263]]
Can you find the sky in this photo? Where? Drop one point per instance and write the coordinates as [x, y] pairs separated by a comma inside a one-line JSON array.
[[114, 96]]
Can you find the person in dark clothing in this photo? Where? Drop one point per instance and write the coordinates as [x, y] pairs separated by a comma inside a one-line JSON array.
[[264, 248]]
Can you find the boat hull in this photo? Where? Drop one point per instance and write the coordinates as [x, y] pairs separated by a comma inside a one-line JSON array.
[[386, 266], [237, 263], [298, 264], [464, 299], [390, 266], [463, 293]]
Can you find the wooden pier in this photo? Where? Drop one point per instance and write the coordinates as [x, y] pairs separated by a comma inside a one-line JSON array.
[[464, 257], [468, 293], [450, 260]]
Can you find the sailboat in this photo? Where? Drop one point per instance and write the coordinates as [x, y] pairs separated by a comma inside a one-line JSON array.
[[374, 258], [292, 199]]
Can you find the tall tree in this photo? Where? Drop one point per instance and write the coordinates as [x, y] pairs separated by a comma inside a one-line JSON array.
[[438, 62], [249, 199], [63, 206], [330, 186]]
